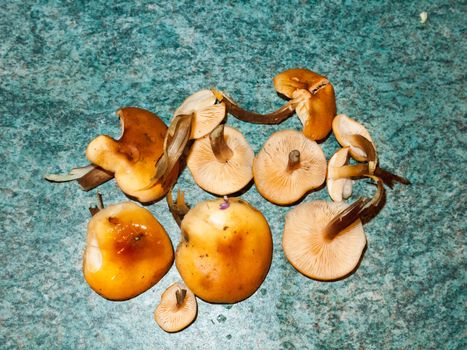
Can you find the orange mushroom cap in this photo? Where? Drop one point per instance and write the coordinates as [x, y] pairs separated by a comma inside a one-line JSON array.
[[133, 157]]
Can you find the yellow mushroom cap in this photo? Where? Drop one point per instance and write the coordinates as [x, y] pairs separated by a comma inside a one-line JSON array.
[[217, 177], [127, 251], [307, 249], [273, 178], [133, 157], [338, 189], [343, 127], [206, 114], [172, 316], [290, 80]]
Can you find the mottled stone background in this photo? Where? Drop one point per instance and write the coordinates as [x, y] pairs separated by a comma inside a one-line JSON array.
[[66, 66]]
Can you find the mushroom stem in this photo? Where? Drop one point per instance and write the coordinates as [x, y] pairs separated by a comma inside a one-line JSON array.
[[350, 214], [180, 294], [294, 160], [179, 208], [94, 178], [389, 178], [219, 147], [100, 204], [275, 117], [350, 171]]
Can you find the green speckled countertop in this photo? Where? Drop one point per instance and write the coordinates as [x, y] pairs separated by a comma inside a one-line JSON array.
[[65, 68]]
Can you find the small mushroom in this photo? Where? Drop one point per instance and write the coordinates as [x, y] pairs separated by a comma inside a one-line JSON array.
[[311, 252], [288, 166], [314, 95], [221, 163], [177, 308], [343, 128], [206, 113], [311, 96], [338, 188], [133, 157]]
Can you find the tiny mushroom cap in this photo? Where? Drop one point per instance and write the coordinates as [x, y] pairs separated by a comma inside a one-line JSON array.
[[133, 157], [288, 166], [343, 128], [177, 308], [314, 98], [311, 251], [206, 113], [338, 188], [221, 163]]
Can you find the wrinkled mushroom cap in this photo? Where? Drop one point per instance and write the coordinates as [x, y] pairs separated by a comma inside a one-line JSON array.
[[273, 179], [222, 178], [338, 189], [171, 316], [307, 249], [206, 114], [127, 251], [133, 157], [343, 127]]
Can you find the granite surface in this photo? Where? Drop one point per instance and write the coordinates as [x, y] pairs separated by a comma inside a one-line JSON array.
[[66, 66]]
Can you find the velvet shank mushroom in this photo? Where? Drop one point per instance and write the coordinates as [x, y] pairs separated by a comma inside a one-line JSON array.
[[206, 113], [133, 157], [221, 163], [325, 240], [338, 188], [177, 308], [288, 166]]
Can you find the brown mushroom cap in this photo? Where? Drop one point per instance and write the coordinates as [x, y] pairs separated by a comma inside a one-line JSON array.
[[310, 252], [274, 178], [218, 177], [133, 157], [176, 312], [314, 95], [338, 189], [206, 114], [343, 127]]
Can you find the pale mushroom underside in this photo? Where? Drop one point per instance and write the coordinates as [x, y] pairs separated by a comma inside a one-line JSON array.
[[343, 127], [338, 189], [310, 253]]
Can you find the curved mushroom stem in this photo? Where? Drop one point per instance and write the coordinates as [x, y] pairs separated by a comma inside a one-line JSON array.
[[175, 140], [275, 117], [180, 294], [389, 178], [219, 147], [350, 214], [294, 160], [369, 149], [350, 171], [179, 208], [100, 205]]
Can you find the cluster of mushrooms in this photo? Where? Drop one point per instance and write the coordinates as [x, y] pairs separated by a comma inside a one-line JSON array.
[[225, 250]]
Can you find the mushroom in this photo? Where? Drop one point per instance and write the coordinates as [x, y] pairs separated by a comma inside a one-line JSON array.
[[350, 133], [206, 114], [311, 96], [338, 188], [316, 102], [177, 308], [133, 157], [288, 166], [127, 251], [221, 163], [88, 177], [325, 240]]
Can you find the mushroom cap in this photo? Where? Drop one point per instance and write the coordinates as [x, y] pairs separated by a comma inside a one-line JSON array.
[[133, 157], [287, 82], [343, 127], [127, 251], [316, 108], [270, 168], [225, 251], [172, 317], [222, 178], [207, 114], [338, 189], [307, 249]]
